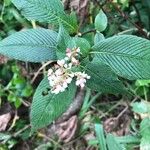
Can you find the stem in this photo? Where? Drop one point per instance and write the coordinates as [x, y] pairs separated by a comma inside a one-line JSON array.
[[128, 19], [145, 93], [90, 31], [2, 12]]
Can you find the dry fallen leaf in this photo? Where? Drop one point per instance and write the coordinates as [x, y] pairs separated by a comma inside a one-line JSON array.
[[3, 59], [67, 129], [4, 119], [82, 9]]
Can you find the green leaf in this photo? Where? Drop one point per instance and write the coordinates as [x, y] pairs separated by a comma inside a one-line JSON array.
[[82, 43], [103, 78], [128, 56], [100, 136], [145, 143], [63, 40], [140, 83], [145, 128], [113, 144], [98, 37], [101, 21], [34, 45], [50, 11], [47, 107], [141, 107], [128, 139]]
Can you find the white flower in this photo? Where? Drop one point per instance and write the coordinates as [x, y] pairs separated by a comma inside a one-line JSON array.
[[81, 79], [61, 75], [78, 50], [69, 65], [66, 66], [68, 80], [66, 58], [61, 62], [68, 52], [65, 85], [72, 75], [50, 71], [58, 72], [74, 61], [56, 91]]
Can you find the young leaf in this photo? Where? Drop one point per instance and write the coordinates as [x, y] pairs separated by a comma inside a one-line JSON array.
[[50, 11], [103, 78], [127, 55], [98, 37], [34, 45], [101, 21], [82, 43], [100, 136], [142, 107], [142, 83], [47, 107]]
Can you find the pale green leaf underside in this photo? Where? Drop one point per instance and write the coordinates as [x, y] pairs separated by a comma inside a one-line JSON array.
[[34, 45], [47, 107], [50, 11], [128, 56]]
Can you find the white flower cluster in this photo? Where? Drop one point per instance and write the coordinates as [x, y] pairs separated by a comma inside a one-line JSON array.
[[61, 74]]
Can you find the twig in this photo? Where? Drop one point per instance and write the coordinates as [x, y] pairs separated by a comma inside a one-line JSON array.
[[128, 19], [14, 120], [120, 114], [21, 130], [112, 108], [41, 68], [136, 9], [2, 12], [49, 139]]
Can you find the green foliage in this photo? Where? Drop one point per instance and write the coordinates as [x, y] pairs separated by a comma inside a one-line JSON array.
[[127, 55], [145, 128], [63, 40], [141, 107], [98, 37], [103, 79], [140, 83], [50, 11], [145, 143], [100, 136], [113, 143], [17, 89], [27, 45], [101, 21], [82, 43], [145, 132], [108, 142], [47, 107]]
